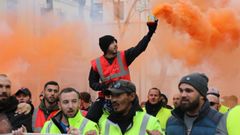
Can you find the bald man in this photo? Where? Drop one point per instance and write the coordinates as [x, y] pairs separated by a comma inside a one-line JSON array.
[[176, 100], [9, 106]]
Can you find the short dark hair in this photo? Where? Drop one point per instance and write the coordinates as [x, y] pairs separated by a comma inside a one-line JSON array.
[[85, 96], [51, 83], [155, 88], [165, 97], [68, 90]]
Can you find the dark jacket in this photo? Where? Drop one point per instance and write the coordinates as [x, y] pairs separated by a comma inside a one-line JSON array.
[[205, 124], [8, 107]]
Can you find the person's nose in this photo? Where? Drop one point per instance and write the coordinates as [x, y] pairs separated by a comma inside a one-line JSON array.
[[70, 105], [183, 94]]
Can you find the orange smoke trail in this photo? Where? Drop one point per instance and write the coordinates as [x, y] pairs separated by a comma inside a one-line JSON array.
[[204, 36], [207, 31]]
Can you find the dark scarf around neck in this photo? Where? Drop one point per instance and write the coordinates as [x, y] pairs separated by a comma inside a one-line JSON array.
[[48, 110], [153, 109], [124, 122]]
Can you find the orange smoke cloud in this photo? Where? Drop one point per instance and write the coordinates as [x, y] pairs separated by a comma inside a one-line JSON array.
[[206, 32], [52, 52], [50, 48], [205, 36]]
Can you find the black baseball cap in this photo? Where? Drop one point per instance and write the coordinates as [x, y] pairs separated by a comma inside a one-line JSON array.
[[24, 91], [122, 86]]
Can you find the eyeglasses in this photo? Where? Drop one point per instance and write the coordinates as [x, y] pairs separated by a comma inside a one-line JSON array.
[[213, 103], [6, 86]]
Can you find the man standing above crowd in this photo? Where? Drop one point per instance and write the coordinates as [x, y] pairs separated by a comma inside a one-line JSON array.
[[70, 120], [156, 108], [9, 106], [112, 66], [48, 106], [127, 117], [195, 116]]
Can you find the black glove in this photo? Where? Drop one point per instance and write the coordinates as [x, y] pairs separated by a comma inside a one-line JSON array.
[[95, 111], [152, 26], [104, 86]]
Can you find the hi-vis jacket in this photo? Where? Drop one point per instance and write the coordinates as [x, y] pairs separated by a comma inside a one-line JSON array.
[[230, 123], [141, 122], [83, 124], [163, 115]]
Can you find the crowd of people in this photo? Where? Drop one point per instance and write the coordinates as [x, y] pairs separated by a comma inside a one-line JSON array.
[[117, 111]]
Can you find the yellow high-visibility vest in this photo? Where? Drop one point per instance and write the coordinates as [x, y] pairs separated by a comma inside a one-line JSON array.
[[141, 122], [83, 124], [163, 115], [223, 109], [233, 121]]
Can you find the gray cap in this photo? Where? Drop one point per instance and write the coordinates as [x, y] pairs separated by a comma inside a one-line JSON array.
[[122, 86], [198, 80]]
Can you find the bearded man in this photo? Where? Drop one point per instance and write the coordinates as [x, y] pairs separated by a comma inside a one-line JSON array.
[[194, 116]]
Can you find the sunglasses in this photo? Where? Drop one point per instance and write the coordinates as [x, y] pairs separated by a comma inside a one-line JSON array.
[[213, 103], [6, 86]]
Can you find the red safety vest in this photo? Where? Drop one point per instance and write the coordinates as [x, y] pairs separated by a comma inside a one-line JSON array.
[[110, 73], [39, 119]]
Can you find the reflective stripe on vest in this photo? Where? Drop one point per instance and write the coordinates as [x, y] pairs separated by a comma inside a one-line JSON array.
[[122, 72], [49, 127], [163, 115], [39, 119], [83, 125], [144, 124], [142, 128], [35, 129], [107, 127]]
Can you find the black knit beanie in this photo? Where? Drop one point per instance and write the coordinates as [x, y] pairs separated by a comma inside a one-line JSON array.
[[198, 80], [105, 41]]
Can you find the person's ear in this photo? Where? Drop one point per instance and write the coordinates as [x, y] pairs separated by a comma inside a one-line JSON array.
[[59, 105], [132, 96], [202, 98]]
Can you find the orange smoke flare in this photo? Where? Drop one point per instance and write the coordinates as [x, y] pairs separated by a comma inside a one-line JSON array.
[[207, 31]]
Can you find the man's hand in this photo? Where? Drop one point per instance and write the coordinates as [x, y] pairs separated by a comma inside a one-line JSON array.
[[73, 131], [20, 131], [91, 132], [152, 26], [23, 108], [153, 132]]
